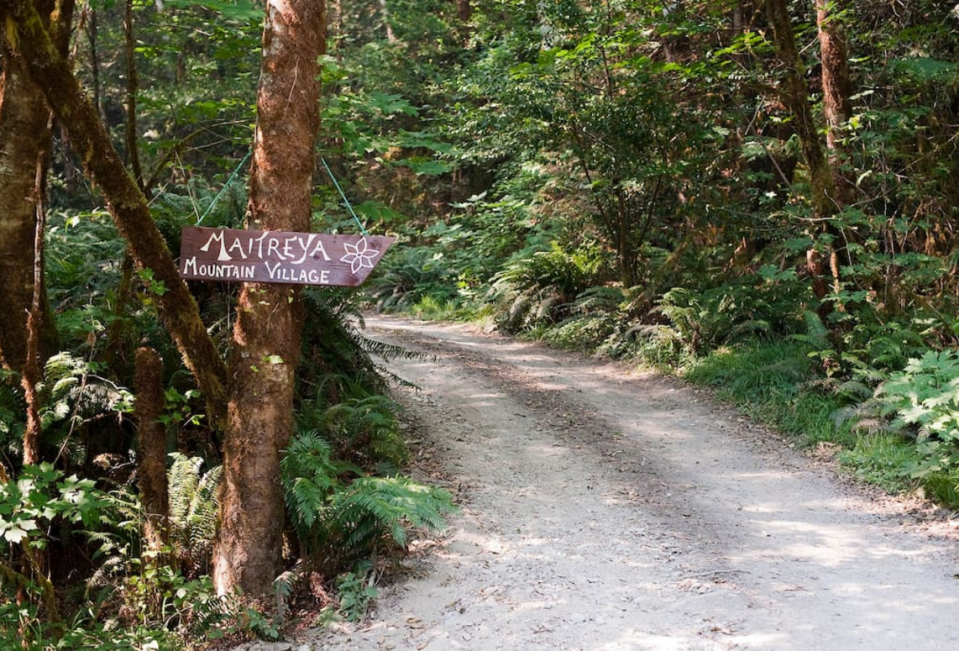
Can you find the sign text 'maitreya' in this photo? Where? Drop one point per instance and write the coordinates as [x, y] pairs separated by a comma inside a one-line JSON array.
[[233, 255]]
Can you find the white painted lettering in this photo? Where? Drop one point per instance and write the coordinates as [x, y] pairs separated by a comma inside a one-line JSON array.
[[217, 236], [288, 253], [273, 247], [238, 245], [319, 248], [306, 247]]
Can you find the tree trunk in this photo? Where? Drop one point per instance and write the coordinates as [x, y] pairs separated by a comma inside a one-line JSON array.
[[151, 451], [836, 90], [34, 51], [795, 96], [133, 85], [269, 317], [25, 141]]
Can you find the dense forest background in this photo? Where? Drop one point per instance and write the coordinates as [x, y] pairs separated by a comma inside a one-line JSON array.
[[759, 195]]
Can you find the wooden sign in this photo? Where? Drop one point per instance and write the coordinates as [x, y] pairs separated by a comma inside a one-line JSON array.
[[231, 255]]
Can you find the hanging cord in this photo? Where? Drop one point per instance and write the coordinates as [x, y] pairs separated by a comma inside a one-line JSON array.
[[346, 201], [225, 186]]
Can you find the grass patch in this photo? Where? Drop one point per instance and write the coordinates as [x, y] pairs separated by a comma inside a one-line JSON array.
[[881, 459], [771, 383], [942, 487]]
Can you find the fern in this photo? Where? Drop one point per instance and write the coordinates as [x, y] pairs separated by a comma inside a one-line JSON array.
[[817, 334], [374, 507], [339, 520], [193, 506]]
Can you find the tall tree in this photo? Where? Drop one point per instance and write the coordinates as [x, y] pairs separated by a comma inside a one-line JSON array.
[[25, 139], [270, 317], [258, 400], [795, 96]]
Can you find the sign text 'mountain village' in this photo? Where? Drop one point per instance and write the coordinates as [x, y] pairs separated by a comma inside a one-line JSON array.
[[233, 255]]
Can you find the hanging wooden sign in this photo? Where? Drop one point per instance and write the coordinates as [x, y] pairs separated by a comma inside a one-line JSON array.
[[232, 255]]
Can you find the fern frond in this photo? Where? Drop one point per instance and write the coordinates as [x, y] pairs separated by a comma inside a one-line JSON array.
[[816, 330]]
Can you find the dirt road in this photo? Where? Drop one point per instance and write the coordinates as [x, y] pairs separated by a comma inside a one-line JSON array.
[[604, 510]]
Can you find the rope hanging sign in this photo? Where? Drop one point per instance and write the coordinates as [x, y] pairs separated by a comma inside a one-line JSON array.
[[232, 255], [284, 257]]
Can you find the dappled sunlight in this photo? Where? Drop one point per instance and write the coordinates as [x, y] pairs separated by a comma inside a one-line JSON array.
[[621, 515]]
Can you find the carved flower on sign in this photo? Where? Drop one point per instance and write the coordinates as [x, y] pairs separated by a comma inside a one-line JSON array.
[[359, 255]]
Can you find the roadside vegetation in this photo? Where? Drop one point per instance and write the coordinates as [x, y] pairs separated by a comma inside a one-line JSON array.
[[649, 193]]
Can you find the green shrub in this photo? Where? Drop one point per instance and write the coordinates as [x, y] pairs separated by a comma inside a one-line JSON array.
[[540, 289], [341, 518]]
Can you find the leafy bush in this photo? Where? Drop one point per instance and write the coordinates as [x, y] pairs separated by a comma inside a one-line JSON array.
[[541, 289], [923, 399], [341, 518], [29, 505]]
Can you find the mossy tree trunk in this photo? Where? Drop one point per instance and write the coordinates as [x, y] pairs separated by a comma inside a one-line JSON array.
[[266, 340], [822, 189], [31, 48], [151, 450], [25, 140]]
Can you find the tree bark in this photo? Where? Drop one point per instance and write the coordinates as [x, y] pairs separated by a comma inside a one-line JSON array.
[[25, 142], [795, 95], [151, 451], [30, 374], [836, 91], [269, 317], [33, 50]]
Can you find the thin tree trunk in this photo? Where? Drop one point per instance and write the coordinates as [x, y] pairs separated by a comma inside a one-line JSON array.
[[151, 452], [385, 11], [126, 203], [90, 23], [30, 375], [266, 336], [464, 11], [836, 91], [795, 96], [130, 138]]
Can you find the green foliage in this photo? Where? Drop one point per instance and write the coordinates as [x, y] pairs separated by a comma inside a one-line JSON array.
[[773, 383], [356, 591], [541, 288], [29, 505], [193, 500], [340, 520], [881, 459], [922, 403], [410, 276], [41, 493]]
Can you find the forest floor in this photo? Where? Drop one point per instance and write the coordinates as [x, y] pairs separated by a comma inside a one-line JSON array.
[[604, 508]]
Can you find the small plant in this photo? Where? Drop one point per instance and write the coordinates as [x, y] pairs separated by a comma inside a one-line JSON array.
[[29, 505], [356, 590]]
